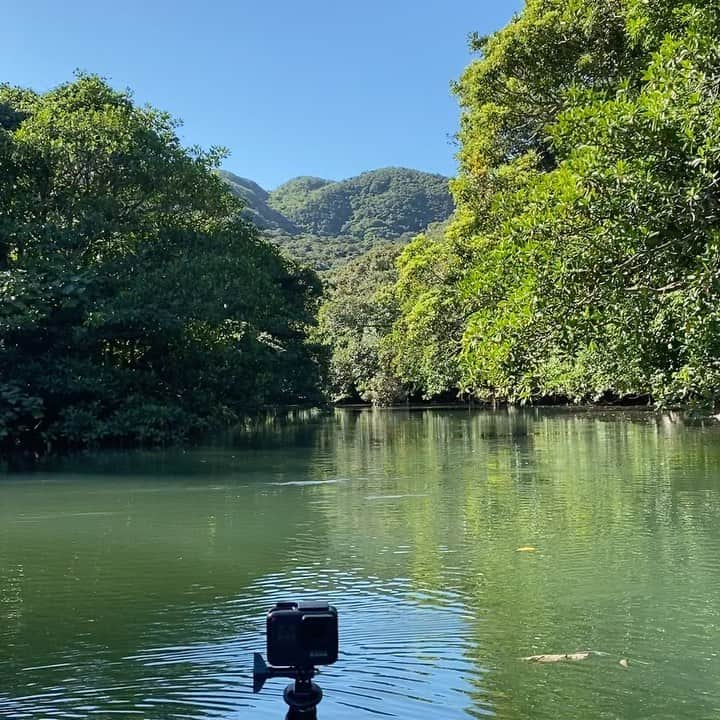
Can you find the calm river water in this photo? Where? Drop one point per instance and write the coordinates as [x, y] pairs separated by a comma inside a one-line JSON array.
[[135, 585]]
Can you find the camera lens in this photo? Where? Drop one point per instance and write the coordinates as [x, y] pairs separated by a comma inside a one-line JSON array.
[[319, 637], [315, 628]]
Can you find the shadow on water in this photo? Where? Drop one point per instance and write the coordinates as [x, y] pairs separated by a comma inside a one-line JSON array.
[[271, 429], [134, 584]]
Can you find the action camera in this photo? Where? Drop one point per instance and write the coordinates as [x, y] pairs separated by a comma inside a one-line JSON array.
[[302, 634]]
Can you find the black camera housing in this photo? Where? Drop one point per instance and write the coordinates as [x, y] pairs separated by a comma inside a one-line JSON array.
[[302, 634]]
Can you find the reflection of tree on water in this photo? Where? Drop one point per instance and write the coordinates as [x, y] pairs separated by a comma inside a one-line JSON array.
[[596, 493]]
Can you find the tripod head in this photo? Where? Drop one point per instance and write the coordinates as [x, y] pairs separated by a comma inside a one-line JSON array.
[[303, 696], [263, 672]]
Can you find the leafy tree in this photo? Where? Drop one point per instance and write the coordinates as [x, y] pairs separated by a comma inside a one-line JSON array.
[[583, 258], [353, 322], [135, 302], [424, 342]]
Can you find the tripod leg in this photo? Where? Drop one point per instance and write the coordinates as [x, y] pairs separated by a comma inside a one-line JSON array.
[[294, 714]]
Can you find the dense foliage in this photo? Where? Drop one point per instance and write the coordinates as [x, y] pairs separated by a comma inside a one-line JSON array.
[[325, 223], [327, 253], [359, 312], [136, 305], [584, 257]]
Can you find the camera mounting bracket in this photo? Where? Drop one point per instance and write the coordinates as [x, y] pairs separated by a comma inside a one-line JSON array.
[[302, 696]]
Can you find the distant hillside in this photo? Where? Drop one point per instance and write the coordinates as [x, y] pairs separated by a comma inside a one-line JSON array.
[[291, 197], [324, 222], [257, 208], [379, 204]]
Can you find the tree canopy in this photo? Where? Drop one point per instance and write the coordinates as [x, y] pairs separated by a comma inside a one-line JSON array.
[[359, 311], [139, 303], [136, 304], [583, 260]]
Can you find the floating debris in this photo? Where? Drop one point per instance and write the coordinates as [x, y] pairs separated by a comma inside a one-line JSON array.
[[558, 658], [526, 548], [624, 663]]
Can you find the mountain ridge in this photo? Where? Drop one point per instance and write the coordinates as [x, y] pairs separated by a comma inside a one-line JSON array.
[[325, 222]]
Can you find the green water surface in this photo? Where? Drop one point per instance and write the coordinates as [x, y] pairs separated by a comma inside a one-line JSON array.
[[135, 584]]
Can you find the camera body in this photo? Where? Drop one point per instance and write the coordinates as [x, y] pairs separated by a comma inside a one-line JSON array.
[[302, 634]]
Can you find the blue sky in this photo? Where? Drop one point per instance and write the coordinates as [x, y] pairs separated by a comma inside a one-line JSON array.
[[290, 88]]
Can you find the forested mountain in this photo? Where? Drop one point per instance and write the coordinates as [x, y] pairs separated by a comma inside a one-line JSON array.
[[294, 195], [256, 206], [325, 222], [380, 204]]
